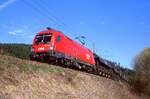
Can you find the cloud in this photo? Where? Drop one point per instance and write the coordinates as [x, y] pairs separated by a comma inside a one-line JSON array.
[[22, 32], [16, 32], [12, 33], [6, 3]]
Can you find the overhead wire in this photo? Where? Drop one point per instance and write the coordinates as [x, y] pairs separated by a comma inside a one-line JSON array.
[[36, 19], [50, 11], [47, 13], [44, 12], [37, 9]]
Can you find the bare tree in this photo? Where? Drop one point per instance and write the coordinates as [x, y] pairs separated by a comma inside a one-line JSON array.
[[141, 79]]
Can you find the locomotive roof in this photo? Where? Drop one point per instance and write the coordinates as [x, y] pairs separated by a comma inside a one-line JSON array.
[[47, 31]]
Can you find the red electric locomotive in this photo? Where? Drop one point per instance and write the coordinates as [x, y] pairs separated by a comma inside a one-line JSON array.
[[52, 45]]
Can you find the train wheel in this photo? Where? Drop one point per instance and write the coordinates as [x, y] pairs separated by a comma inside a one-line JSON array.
[[100, 73], [83, 67], [89, 70], [104, 74], [79, 67]]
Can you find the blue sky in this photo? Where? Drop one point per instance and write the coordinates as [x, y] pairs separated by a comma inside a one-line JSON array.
[[120, 29]]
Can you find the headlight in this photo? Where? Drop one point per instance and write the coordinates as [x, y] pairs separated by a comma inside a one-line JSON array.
[[51, 47]]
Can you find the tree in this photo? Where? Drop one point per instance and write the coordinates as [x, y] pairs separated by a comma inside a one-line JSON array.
[[141, 80]]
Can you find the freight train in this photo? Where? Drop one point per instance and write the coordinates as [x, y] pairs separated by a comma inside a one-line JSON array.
[[54, 47]]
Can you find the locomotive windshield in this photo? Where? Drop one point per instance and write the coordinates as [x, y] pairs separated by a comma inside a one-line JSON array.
[[43, 38]]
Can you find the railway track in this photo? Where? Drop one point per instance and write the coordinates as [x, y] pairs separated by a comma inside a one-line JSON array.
[[101, 72]]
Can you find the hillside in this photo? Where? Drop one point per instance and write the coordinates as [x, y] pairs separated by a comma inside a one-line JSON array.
[[22, 79]]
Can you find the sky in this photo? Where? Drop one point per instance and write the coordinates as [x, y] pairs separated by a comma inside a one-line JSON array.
[[119, 29]]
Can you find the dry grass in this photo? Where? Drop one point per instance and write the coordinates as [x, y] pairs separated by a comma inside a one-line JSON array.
[[22, 79]]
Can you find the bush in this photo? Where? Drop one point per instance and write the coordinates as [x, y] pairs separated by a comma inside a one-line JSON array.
[[141, 79]]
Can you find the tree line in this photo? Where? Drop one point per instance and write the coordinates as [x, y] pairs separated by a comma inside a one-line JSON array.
[[16, 50]]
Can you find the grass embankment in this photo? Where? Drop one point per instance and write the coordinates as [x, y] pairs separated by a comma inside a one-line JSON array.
[[22, 79]]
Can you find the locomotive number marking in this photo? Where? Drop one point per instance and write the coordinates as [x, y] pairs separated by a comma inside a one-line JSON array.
[[41, 48]]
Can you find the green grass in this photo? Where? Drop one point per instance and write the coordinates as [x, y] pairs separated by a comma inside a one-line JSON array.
[[24, 67], [3, 63], [37, 68]]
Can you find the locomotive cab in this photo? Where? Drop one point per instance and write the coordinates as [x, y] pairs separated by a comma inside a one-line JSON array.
[[43, 45]]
